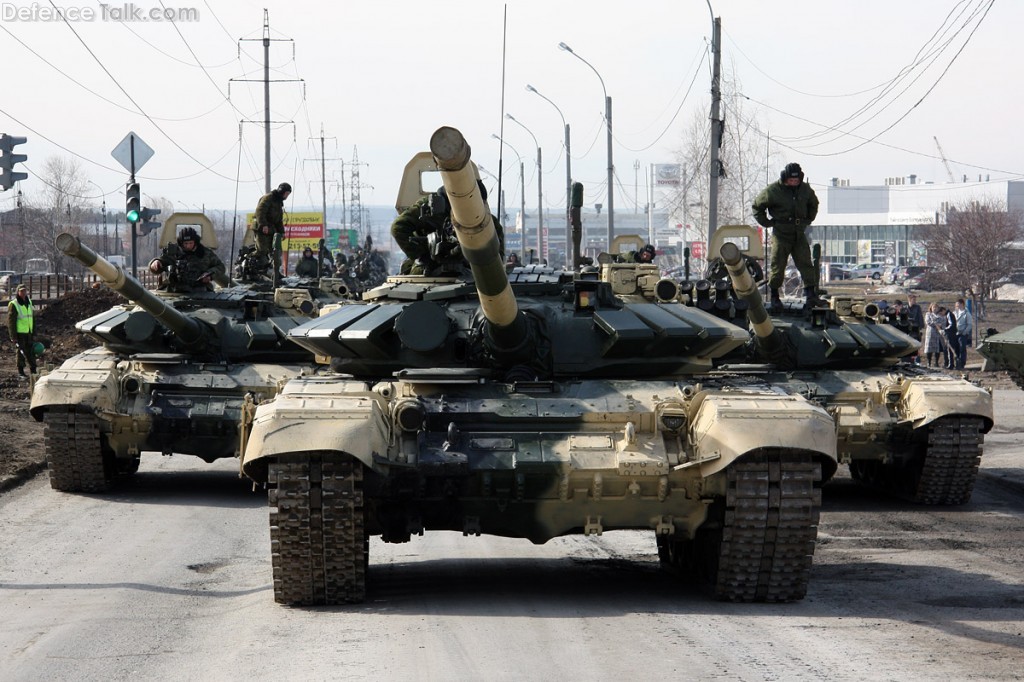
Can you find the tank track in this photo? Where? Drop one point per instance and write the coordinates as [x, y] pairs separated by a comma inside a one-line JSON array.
[[317, 530], [75, 452], [943, 474], [757, 543]]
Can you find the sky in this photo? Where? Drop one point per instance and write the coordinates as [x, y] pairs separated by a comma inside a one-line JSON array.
[[380, 76]]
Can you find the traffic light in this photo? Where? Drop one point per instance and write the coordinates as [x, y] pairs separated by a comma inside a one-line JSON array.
[[132, 202], [146, 222], [7, 175]]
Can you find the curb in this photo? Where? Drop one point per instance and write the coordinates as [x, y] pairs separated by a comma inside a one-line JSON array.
[[21, 476]]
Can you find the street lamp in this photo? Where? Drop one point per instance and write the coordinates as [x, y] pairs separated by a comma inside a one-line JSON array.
[[522, 187], [568, 177], [608, 124], [540, 192], [103, 210]]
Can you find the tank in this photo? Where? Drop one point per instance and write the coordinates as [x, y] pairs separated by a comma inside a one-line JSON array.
[[909, 430], [173, 374], [533, 404], [1004, 352]]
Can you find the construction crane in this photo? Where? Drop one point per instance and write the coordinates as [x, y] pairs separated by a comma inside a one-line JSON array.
[[945, 161]]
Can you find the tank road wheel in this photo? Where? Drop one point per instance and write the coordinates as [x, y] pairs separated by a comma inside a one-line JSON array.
[[75, 453], [318, 539], [759, 546], [948, 467], [869, 472]]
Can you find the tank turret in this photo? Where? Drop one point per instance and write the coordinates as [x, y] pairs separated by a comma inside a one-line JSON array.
[[175, 374], [190, 331]]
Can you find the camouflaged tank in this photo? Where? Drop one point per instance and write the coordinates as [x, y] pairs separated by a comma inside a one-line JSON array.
[[910, 430], [532, 404], [1004, 352], [174, 373]]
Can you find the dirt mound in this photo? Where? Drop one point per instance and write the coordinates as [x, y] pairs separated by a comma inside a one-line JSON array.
[[55, 324]]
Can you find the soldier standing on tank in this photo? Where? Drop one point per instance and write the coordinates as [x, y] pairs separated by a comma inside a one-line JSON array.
[[268, 226], [21, 325], [188, 264], [792, 206]]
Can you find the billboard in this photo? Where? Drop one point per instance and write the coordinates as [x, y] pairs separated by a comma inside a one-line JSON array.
[[300, 230]]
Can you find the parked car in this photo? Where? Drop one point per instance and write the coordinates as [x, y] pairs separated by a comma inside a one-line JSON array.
[[929, 280], [868, 271], [5, 280], [902, 273]]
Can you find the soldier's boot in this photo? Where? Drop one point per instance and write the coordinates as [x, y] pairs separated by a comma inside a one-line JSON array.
[[21, 371], [812, 300], [775, 308]]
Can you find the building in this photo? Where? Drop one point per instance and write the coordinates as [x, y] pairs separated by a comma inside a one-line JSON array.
[[886, 223]]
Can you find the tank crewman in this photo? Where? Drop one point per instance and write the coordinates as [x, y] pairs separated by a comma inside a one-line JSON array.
[[21, 325], [431, 215], [268, 224], [644, 255], [789, 206], [307, 266], [187, 264]]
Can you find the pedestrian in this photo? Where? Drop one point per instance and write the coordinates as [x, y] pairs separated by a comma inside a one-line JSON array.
[[952, 345], [915, 321], [964, 328], [934, 337], [21, 325], [789, 206], [268, 227], [187, 265]]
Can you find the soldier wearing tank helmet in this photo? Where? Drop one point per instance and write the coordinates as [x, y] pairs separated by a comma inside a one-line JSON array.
[[268, 223], [789, 206], [188, 265]]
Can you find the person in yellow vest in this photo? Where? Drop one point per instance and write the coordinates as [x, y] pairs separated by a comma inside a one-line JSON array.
[[21, 327]]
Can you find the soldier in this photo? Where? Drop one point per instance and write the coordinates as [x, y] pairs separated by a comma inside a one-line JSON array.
[[644, 255], [21, 325], [268, 225], [307, 266], [793, 206], [188, 264], [431, 215]]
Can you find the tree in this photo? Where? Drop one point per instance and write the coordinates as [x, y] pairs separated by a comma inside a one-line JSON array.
[[969, 250], [60, 209], [742, 155]]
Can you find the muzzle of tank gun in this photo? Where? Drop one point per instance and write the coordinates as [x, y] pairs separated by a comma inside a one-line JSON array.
[[666, 290], [866, 309]]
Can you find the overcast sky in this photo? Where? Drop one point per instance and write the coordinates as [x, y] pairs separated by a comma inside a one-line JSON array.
[[381, 75]]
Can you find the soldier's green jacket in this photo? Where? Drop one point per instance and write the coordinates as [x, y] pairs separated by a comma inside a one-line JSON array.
[[270, 211], [410, 230], [183, 269], [307, 267], [790, 207]]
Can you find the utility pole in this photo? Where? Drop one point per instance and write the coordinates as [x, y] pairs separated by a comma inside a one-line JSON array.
[[266, 40], [636, 183], [355, 207], [716, 129]]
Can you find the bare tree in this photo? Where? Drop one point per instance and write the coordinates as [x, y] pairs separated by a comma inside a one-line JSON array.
[[742, 155], [969, 249], [60, 209]]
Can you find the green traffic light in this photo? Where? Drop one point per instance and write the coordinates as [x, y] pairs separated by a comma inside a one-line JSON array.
[[133, 216]]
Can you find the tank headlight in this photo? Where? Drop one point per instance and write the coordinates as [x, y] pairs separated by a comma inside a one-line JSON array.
[[673, 422]]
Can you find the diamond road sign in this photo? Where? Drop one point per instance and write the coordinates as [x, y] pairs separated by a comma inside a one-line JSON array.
[[122, 153]]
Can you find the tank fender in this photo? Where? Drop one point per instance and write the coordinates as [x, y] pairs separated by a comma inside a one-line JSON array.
[[89, 380], [925, 400], [725, 426], [354, 422]]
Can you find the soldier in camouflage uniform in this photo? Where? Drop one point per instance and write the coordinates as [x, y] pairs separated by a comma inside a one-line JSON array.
[[793, 206], [432, 215], [188, 265], [268, 224], [644, 255]]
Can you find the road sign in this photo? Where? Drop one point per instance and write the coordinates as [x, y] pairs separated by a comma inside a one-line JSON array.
[[122, 153]]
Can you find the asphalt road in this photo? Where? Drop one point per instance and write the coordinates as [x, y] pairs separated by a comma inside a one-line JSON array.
[[169, 579]]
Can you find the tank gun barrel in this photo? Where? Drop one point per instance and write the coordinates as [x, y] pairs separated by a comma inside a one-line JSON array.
[[746, 290], [478, 239], [188, 330]]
